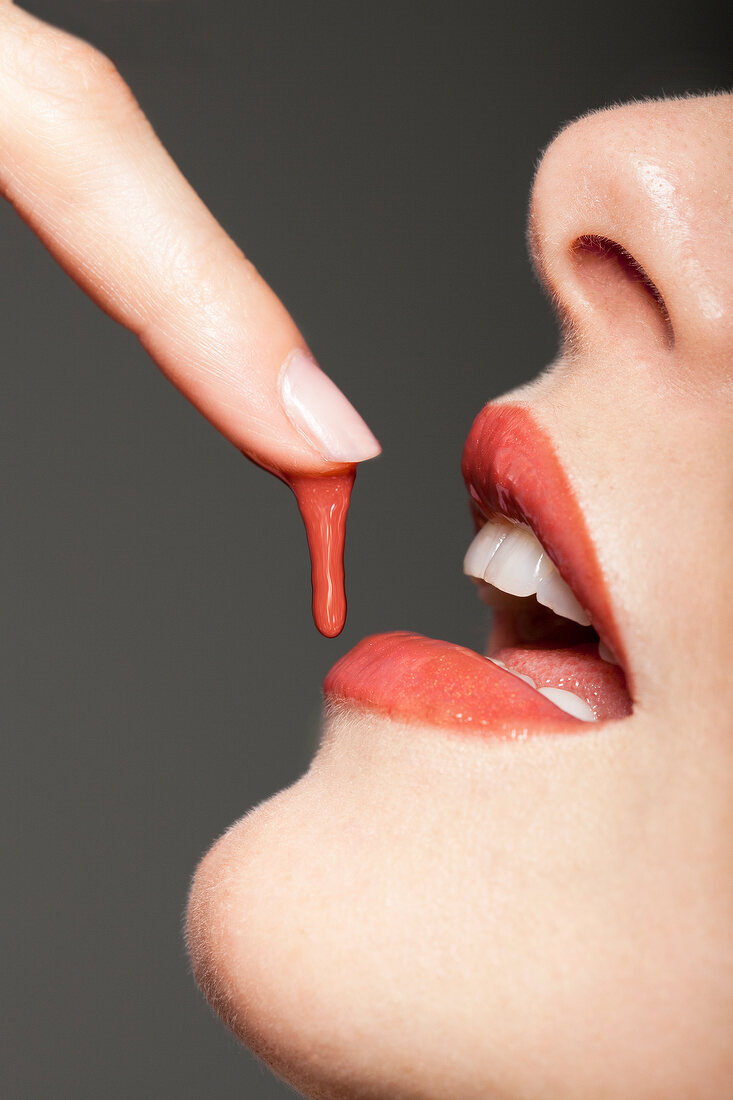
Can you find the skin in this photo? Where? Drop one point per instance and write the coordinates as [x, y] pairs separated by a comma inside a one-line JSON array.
[[424, 915]]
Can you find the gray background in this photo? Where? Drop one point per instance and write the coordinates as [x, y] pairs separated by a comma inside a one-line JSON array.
[[161, 672]]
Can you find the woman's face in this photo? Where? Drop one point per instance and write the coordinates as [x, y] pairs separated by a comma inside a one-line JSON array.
[[439, 909]]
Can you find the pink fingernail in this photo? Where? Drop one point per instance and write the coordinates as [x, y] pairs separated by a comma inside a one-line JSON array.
[[316, 408]]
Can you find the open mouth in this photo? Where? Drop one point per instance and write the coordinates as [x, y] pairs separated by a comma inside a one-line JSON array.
[[555, 658], [540, 632]]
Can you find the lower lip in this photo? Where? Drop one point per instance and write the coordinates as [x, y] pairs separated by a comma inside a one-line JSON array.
[[416, 679]]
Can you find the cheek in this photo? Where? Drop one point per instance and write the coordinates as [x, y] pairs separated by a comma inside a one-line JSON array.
[[431, 921]]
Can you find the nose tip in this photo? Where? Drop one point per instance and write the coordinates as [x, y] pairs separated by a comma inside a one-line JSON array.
[[625, 225]]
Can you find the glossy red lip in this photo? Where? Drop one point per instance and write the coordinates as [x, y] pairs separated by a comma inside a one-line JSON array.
[[511, 469]]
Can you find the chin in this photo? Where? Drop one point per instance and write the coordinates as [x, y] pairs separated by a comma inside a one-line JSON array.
[[428, 915]]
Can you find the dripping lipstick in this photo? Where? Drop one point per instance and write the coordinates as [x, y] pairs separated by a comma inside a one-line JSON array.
[[324, 505], [323, 502]]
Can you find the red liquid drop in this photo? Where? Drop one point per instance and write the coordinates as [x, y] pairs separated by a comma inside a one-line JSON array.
[[324, 503]]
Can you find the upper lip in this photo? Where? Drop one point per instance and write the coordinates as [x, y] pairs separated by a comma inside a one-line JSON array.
[[511, 469]]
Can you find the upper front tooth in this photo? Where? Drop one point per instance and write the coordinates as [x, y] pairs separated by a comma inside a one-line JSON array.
[[484, 546], [517, 563], [554, 593], [507, 556]]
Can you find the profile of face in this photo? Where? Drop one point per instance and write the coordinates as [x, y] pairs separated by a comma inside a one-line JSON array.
[[512, 901]]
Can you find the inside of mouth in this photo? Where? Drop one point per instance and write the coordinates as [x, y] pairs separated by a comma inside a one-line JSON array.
[[562, 659]]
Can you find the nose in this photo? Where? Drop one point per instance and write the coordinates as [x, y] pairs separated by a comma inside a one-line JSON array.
[[630, 226]]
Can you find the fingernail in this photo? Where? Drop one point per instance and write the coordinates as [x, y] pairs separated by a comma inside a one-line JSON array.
[[316, 408]]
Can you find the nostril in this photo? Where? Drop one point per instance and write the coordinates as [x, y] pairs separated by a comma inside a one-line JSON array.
[[618, 286]]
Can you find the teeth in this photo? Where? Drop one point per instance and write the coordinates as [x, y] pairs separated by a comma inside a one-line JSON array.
[[518, 564], [483, 548], [570, 703], [512, 558], [507, 556], [554, 593]]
